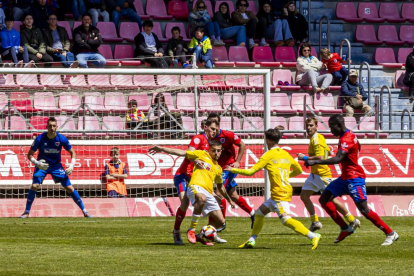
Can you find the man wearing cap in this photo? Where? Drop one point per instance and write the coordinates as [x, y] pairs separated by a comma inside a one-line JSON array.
[[409, 73], [354, 95]]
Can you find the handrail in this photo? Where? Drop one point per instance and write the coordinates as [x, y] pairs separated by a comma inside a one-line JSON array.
[[409, 122], [349, 51], [309, 17], [369, 78], [377, 116], [304, 115], [328, 33], [382, 106]]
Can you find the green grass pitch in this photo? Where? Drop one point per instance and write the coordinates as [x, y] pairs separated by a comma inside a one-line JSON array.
[[144, 246]]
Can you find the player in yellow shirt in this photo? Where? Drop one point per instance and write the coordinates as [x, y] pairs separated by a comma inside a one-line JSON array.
[[200, 189], [278, 164], [320, 177]]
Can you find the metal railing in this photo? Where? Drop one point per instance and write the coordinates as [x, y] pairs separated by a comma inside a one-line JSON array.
[[368, 78], [328, 33], [381, 109], [349, 51], [410, 126]]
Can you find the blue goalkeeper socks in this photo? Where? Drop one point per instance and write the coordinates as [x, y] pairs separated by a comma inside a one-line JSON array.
[[77, 199], [30, 198]]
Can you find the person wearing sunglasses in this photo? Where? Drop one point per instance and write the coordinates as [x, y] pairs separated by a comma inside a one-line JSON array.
[[246, 18]]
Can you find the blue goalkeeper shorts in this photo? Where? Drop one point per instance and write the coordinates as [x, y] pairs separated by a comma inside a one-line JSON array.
[[180, 182], [355, 187], [228, 180], [56, 171]]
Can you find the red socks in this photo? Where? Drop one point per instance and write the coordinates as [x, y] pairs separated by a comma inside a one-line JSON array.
[[179, 217], [333, 213], [223, 207], [242, 203], [377, 221]]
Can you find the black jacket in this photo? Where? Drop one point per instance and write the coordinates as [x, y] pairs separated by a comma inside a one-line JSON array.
[[409, 63], [84, 41], [40, 14], [101, 6], [48, 38], [298, 25], [277, 5], [141, 48], [33, 40], [111, 5], [270, 17], [173, 43], [222, 21]]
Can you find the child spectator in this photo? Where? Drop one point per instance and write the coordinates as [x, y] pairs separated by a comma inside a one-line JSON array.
[[201, 46], [134, 116], [334, 64], [177, 48], [116, 173]]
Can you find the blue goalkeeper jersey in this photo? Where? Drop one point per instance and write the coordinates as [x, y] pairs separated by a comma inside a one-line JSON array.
[[50, 149]]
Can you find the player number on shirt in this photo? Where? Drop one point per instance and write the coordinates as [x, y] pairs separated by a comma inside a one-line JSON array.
[[284, 175]]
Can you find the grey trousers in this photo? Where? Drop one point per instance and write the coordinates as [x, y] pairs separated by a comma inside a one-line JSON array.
[[309, 78]]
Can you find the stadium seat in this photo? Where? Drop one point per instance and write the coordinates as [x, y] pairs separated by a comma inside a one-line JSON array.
[[256, 82], [140, 10], [28, 81], [350, 123], [389, 11], [168, 80], [114, 123], [237, 82], [76, 24], [225, 123], [346, 11], [106, 51], [3, 101], [215, 82], [286, 56], [123, 53], [388, 34], [297, 102], [7, 82], [128, 30], [407, 12], [217, 5], [108, 32], [168, 101], [90, 123], [280, 121], [17, 123], [386, 58], [188, 124], [180, 25], [99, 81], [39, 122], [156, 9], [2, 134], [264, 57], [66, 25], [52, 81], [209, 102], [44, 101], [369, 124], [185, 102], [254, 102], [219, 55], [237, 101], [250, 123], [403, 54], [69, 101], [17, 25], [283, 75], [22, 102], [142, 101], [324, 102], [77, 82], [188, 81], [178, 9], [369, 12], [70, 125], [95, 102], [321, 126], [122, 81], [240, 56], [399, 76], [157, 30], [279, 103], [115, 102], [252, 7], [407, 34], [366, 35], [209, 7], [297, 123], [144, 81]]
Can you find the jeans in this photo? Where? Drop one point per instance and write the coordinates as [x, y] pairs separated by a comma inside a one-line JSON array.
[[341, 75], [309, 78], [66, 61], [95, 15], [213, 29], [10, 53], [128, 13], [239, 31], [18, 13], [98, 60], [279, 30], [78, 8], [199, 57]]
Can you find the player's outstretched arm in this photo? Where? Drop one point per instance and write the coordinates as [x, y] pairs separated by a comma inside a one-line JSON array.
[[157, 149], [69, 170], [249, 172], [240, 153], [224, 193], [340, 155]]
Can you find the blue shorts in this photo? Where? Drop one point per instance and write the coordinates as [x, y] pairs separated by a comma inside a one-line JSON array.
[[228, 180], [180, 182], [56, 171], [355, 187]]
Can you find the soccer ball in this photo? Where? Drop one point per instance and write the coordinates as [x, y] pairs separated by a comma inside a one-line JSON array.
[[208, 232]]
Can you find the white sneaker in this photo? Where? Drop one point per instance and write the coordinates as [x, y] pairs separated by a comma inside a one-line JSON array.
[[219, 240], [315, 226], [177, 238], [216, 43], [390, 239], [355, 224]]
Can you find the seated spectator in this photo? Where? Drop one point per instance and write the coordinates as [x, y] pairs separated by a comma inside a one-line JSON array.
[[354, 95], [20, 8], [148, 47], [123, 8], [134, 116], [10, 45], [297, 23], [200, 45], [58, 44], [86, 40], [78, 8], [116, 173], [32, 39], [199, 17], [272, 27], [177, 48], [334, 64], [242, 17], [409, 73], [222, 17], [2, 18], [277, 5], [40, 13], [308, 71], [96, 8]]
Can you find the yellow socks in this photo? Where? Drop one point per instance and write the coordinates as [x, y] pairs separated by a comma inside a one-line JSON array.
[[314, 218], [297, 226], [258, 225], [349, 218], [194, 221]]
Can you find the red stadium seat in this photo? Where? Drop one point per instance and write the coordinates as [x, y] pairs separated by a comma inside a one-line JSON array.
[[144, 81], [7, 82], [17, 25], [321, 126], [17, 123], [39, 122], [346, 11], [280, 121], [297, 102], [217, 5], [122, 81], [388, 34], [128, 30], [22, 102], [114, 123], [168, 101], [215, 82], [250, 123], [264, 57], [70, 125], [106, 51], [28, 81], [178, 9], [252, 7], [99, 81], [108, 32], [79, 81], [399, 76], [407, 12], [52, 81], [254, 102], [279, 103], [168, 80], [386, 58], [69, 101], [286, 56], [225, 123], [407, 34], [2, 134], [90, 123], [188, 124], [369, 12], [208, 5], [350, 123], [188, 81], [369, 124], [76, 24], [237, 101], [240, 56], [157, 30], [156, 9], [45, 101], [180, 25], [237, 82], [140, 10], [220, 57], [115, 101], [123, 53], [95, 101], [66, 25], [284, 76], [325, 103], [185, 102], [389, 11], [366, 35], [209, 102], [256, 82], [3, 101], [297, 123], [142, 101], [403, 54]]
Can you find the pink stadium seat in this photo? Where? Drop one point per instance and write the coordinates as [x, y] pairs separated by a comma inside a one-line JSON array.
[[297, 123], [366, 35], [17, 25], [168, 101], [369, 124], [230, 3], [95, 102], [286, 56], [168, 80], [368, 11], [17, 123], [185, 102], [407, 12], [114, 123], [240, 56], [142, 101], [279, 103], [178, 9], [237, 82], [256, 82], [90, 123], [122, 81], [402, 54], [2, 134], [99, 81], [70, 125], [144, 81], [106, 51], [297, 102], [237, 101], [108, 32], [157, 30], [325, 103], [79, 81], [208, 5], [76, 24], [115, 101], [45, 101], [252, 7], [128, 30], [140, 10], [284, 75], [66, 25], [325, 120], [22, 102], [69, 101], [389, 11], [188, 124], [254, 102], [124, 52], [188, 81], [28, 81], [250, 123], [3, 101], [386, 58], [280, 121], [180, 25], [225, 123], [39, 122], [52, 81], [264, 57], [215, 82], [407, 34], [156, 9], [399, 76], [219, 55], [350, 123], [209, 102], [388, 34], [346, 11], [7, 82]]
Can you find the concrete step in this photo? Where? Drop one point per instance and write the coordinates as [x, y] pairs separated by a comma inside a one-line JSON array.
[[358, 59], [377, 81], [334, 27], [314, 4], [336, 37], [316, 14]]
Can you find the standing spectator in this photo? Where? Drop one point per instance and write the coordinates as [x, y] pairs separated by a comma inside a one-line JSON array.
[[40, 13], [354, 95], [177, 48], [308, 71], [409, 73], [116, 173], [20, 8], [334, 64], [78, 8], [297, 22], [271, 26], [148, 46], [58, 44], [123, 8], [199, 17], [200, 45], [86, 40], [242, 17], [32, 39], [96, 8], [222, 17]]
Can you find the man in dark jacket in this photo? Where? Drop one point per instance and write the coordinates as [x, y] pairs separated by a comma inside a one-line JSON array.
[[177, 48], [58, 44], [409, 73], [86, 40], [32, 39], [124, 8], [352, 89], [96, 8], [20, 8], [40, 12]]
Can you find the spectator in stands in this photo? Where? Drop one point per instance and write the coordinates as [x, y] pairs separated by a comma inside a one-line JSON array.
[[86, 40], [123, 8], [78, 8], [40, 13], [148, 47], [354, 95], [20, 8], [297, 22], [271, 26], [58, 44], [2, 18], [333, 62], [308, 71], [116, 173], [242, 17], [222, 17], [200, 45], [177, 48], [199, 17], [32, 39], [277, 5], [134, 116], [409, 73], [96, 8]]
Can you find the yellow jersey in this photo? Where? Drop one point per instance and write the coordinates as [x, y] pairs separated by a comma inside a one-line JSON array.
[[278, 163], [212, 172], [318, 147]]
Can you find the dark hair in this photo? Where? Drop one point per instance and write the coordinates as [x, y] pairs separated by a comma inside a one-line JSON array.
[[239, 2], [295, 12], [214, 115], [114, 150], [132, 102], [273, 134], [51, 119], [51, 15], [159, 95], [213, 143], [209, 122], [337, 118], [227, 14], [199, 29], [147, 23], [305, 45], [26, 15], [176, 29], [267, 2], [87, 14], [9, 18]]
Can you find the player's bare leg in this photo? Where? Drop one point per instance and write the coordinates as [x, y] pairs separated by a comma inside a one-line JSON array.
[[200, 201], [30, 198], [218, 221], [352, 221], [305, 197], [242, 203], [179, 217], [223, 204]]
